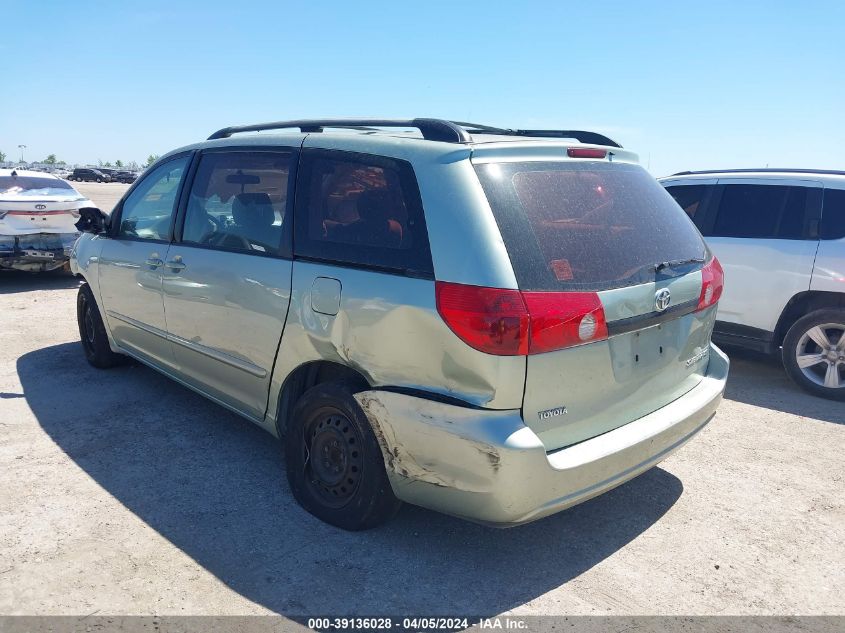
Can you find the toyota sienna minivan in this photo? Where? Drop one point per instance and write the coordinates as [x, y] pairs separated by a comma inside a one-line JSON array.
[[493, 323]]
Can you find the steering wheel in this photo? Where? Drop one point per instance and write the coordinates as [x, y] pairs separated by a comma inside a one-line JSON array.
[[230, 240]]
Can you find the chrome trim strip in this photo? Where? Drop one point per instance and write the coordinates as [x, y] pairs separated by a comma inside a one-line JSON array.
[[237, 363], [138, 324]]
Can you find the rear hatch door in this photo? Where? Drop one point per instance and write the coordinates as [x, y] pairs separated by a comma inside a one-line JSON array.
[[608, 228]]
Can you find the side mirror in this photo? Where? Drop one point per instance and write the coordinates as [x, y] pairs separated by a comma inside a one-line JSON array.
[[92, 220]]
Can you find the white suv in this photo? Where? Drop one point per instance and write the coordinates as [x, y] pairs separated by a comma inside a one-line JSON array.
[[780, 236]]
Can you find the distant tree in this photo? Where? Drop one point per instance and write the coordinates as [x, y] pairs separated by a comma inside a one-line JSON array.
[[107, 164], [133, 165], [2, 157], [99, 162], [118, 163], [151, 159], [50, 160], [61, 162]]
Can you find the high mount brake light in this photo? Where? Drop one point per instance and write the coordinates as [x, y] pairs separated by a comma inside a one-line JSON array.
[[712, 283], [508, 322], [585, 152]]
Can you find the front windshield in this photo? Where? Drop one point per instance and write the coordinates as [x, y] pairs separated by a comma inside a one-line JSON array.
[[35, 186]]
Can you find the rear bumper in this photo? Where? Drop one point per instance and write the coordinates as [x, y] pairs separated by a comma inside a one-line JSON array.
[[36, 251], [489, 467]]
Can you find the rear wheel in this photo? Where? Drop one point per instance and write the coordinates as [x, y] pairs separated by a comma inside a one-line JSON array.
[[99, 180], [334, 463], [814, 353], [92, 331]]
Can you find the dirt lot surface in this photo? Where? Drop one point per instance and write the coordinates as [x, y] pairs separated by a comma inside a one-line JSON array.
[[124, 493]]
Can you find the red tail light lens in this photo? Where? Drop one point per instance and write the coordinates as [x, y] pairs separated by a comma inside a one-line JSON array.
[[510, 323], [564, 319], [492, 320], [712, 283]]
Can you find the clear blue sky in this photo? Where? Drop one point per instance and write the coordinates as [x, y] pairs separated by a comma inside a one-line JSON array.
[[686, 85]]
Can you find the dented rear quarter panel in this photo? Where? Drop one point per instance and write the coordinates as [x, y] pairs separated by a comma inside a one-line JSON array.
[[388, 329]]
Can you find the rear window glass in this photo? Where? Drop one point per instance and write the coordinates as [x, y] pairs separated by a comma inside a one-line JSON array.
[[34, 186], [590, 226]]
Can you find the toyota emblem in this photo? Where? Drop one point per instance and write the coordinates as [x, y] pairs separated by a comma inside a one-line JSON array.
[[661, 299], [40, 207]]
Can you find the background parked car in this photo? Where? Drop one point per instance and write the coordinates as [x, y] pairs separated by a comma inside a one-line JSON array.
[[37, 216], [87, 174], [127, 177], [780, 235]]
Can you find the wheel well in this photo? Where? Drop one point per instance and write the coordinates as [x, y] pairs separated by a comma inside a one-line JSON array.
[[309, 375], [804, 303]]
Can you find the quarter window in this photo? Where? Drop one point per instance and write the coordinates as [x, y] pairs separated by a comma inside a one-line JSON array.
[[833, 215], [147, 212], [238, 202], [362, 210], [761, 211], [689, 198]]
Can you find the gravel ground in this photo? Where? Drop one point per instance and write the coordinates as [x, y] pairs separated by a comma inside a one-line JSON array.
[[124, 493]]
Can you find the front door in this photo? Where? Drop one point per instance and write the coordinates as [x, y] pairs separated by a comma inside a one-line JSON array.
[[226, 283], [130, 265]]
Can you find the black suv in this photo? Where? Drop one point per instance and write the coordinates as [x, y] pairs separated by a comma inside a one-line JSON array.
[[124, 176], [86, 174]]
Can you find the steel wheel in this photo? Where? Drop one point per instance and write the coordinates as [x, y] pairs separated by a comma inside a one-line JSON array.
[[88, 331], [820, 355], [333, 458]]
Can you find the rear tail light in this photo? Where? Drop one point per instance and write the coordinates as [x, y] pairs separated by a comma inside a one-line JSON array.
[[510, 323], [492, 320], [564, 319], [712, 283]]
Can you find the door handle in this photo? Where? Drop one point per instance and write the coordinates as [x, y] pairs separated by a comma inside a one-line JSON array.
[[176, 264], [154, 261]]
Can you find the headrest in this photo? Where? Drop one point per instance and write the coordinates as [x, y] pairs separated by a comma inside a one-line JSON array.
[[375, 204], [253, 209]]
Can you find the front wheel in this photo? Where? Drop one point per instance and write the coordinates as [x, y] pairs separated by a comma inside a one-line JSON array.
[[814, 353], [334, 463], [92, 331]]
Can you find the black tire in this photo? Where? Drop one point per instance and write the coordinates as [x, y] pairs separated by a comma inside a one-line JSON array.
[[831, 322], [92, 331], [99, 180], [348, 488]]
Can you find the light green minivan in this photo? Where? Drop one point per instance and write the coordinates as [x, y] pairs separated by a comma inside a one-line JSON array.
[[496, 324]]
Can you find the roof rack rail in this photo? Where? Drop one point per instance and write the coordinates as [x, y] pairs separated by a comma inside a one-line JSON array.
[[583, 136], [788, 170], [431, 129]]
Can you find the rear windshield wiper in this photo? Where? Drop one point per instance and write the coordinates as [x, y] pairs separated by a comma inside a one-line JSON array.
[[677, 262]]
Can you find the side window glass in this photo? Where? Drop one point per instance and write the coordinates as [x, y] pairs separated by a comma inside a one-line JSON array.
[[238, 202], [147, 212], [358, 204], [761, 211], [362, 211], [833, 214], [688, 197]]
